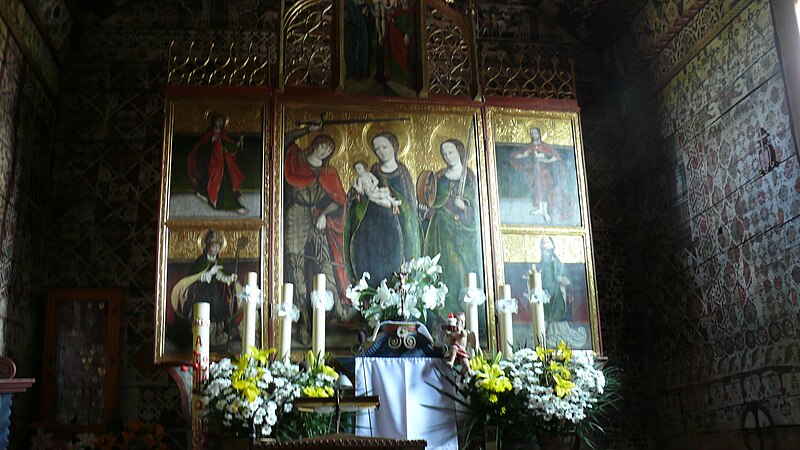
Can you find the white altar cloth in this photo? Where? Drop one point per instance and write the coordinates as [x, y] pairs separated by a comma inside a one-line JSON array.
[[410, 407]]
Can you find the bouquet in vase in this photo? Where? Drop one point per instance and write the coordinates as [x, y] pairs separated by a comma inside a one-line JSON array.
[[251, 392], [408, 295]]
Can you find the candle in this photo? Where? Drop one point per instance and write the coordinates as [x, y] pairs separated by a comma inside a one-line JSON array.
[[285, 349], [472, 307], [539, 325], [201, 324], [250, 314], [318, 330], [506, 328], [540, 328]]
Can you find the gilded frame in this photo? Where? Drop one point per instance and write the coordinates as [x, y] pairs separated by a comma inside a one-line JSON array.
[[508, 135], [428, 124], [190, 223]]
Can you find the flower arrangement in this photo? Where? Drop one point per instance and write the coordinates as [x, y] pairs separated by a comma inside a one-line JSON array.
[[258, 392], [537, 390], [315, 381], [318, 380], [252, 391], [559, 387], [408, 295]]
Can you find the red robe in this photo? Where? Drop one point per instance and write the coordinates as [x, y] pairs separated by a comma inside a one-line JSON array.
[[218, 159], [540, 178], [299, 174]]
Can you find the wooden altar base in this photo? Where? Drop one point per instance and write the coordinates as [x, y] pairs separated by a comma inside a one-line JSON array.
[[345, 441]]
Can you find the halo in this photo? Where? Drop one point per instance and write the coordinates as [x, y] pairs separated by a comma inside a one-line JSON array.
[[209, 113], [398, 128], [202, 236]]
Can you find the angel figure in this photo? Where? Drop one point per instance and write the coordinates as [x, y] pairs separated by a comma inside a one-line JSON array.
[[461, 341]]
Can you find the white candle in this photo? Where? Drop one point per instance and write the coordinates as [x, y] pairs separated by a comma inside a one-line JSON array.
[[252, 279], [472, 308], [318, 330], [541, 328], [285, 349], [250, 315], [539, 325], [201, 325], [506, 327]]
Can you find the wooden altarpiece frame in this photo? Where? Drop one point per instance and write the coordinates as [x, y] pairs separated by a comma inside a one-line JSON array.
[[213, 207], [540, 216]]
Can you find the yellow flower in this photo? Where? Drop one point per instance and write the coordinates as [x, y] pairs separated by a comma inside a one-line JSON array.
[[493, 398], [326, 370], [559, 370], [562, 386], [564, 352], [318, 391], [503, 411], [261, 356], [542, 353], [246, 387]]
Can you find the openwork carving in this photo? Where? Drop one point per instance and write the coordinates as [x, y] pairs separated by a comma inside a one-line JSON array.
[[527, 70], [448, 53], [220, 65], [307, 44]]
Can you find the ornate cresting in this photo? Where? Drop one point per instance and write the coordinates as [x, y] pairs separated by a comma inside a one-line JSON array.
[[527, 70], [449, 52], [220, 65], [306, 53]]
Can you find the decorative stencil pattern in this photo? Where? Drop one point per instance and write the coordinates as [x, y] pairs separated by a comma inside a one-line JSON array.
[[26, 129], [717, 195]]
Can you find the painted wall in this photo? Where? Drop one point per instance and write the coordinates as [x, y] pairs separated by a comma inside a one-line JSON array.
[[27, 115], [718, 231]]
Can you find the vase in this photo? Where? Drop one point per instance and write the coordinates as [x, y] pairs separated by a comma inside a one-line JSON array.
[[553, 440]]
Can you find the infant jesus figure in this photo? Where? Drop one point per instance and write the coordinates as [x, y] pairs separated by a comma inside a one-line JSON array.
[[367, 184], [459, 338]]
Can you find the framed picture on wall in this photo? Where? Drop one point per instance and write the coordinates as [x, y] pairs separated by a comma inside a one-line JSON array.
[[539, 202], [571, 312], [210, 265], [80, 370], [214, 158], [363, 188], [537, 162], [212, 218]]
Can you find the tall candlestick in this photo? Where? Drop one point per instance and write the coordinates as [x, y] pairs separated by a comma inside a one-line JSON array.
[[472, 307], [318, 330], [201, 324], [506, 327], [285, 350], [250, 313]]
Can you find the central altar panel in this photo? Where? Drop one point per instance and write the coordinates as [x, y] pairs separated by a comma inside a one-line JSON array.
[[364, 187]]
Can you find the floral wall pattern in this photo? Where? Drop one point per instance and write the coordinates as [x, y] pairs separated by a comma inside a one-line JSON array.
[[718, 202], [26, 125]]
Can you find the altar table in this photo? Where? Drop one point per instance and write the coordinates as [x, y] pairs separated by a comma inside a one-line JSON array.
[[413, 405]]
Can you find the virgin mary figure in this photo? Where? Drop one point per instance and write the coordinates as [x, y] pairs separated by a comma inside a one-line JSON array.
[[379, 237]]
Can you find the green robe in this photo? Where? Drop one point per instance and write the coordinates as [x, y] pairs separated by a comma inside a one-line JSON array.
[[378, 240], [455, 234]]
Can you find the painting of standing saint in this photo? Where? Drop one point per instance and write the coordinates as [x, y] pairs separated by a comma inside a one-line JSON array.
[[216, 163], [539, 185]]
